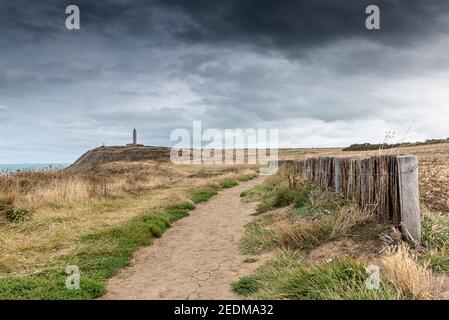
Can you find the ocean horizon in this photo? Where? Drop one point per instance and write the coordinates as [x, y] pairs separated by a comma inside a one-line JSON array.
[[14, 167]]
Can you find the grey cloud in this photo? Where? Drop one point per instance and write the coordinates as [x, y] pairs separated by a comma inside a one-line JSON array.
[[3, 115], [293, 26], [307, 68]]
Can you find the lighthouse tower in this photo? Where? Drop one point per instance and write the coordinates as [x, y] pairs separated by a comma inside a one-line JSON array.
[[134, 136], [134, 144]]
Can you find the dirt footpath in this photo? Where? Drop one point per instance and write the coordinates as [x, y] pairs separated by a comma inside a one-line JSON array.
[[197, 258]]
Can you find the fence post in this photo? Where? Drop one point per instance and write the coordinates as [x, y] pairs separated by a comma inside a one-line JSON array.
[[337, 175], [409, 197]]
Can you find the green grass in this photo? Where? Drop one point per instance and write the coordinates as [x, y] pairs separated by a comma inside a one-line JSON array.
[[17, 215], [306, 199], [202, 194], [5, 202], [182, 206], [247, 177], [285, 277], [265, 205], [435, 231], [257, 239], [284, 196], [101, 256], [316, 217], [435, 234], [328, 209], [246, 286], [437, 260], [257, 192], [228, 183], [342, 279]]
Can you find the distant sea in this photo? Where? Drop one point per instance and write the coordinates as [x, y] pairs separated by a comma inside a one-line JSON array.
[[14, 167]]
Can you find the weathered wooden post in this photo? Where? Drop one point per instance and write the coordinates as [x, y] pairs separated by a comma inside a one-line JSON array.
[[337, 175], [409, 197]]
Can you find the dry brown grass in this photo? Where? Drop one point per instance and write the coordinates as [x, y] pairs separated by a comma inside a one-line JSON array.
[[58, 192], [347, 218], [65, 206], [400, 267], [303, 234], [307, 234], [33, 190]]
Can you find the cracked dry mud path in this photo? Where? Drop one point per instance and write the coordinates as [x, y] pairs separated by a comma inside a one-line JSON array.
[[197, 258]]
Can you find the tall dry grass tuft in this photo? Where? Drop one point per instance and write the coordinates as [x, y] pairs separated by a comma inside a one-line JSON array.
[[307, 234], [401, 268], [56, 193], [303, 234], [347, 218]]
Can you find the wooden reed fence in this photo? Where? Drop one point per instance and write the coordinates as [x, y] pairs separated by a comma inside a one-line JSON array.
[[387, 185]]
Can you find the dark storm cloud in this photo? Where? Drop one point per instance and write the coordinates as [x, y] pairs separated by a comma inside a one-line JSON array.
[[309, 68], [294, 26]]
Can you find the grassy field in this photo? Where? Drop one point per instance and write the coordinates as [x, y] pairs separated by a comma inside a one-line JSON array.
[[322, 243], [96, 221], [50, 220]]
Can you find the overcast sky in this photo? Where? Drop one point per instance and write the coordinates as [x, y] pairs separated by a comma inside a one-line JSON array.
[[309, 68]]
